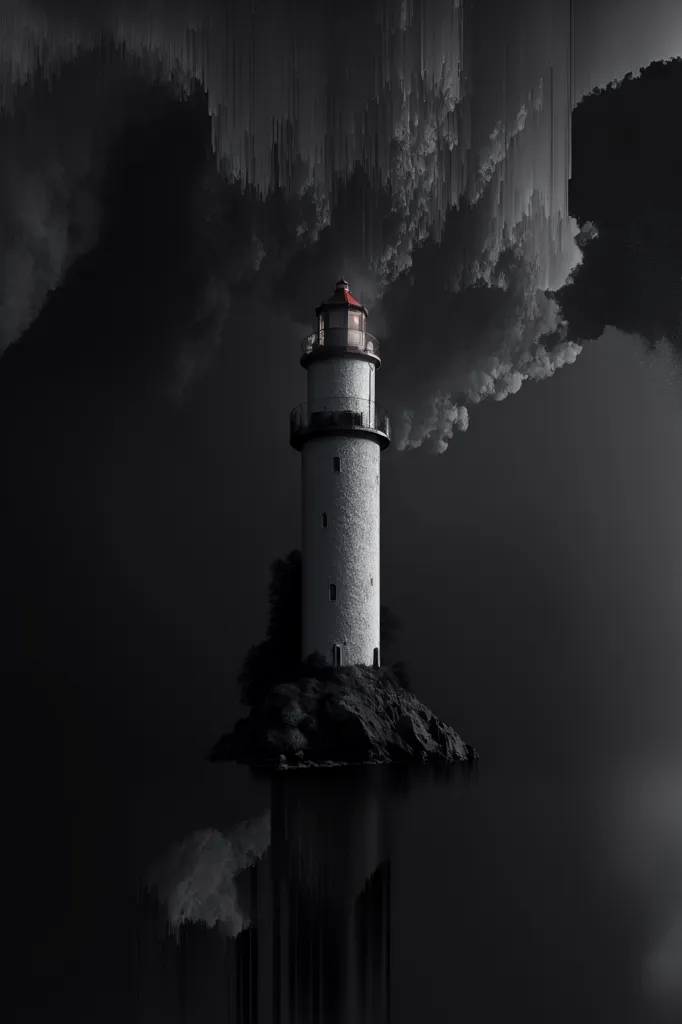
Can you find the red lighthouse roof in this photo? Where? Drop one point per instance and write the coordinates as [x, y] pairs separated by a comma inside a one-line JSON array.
[[341, 297]]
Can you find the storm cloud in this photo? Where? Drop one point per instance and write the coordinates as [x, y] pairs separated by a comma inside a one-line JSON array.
[[627, 168], [286, 191], [474, 287]]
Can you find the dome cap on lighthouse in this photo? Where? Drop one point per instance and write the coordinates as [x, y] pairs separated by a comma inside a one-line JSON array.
[[341, 298]]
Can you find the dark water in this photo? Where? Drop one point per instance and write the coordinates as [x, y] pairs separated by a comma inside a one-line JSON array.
[[485, 894]]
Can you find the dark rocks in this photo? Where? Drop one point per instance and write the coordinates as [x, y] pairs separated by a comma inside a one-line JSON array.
[[352, 715]]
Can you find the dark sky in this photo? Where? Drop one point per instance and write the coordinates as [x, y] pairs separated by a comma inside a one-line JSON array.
[[614, 37], [144, 499], [536, 564], [146, 480]]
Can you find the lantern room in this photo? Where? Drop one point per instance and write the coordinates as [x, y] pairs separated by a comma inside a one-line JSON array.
[[341, 323], [341, 311]]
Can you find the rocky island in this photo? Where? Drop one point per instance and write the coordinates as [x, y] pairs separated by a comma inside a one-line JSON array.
[[354, 715]]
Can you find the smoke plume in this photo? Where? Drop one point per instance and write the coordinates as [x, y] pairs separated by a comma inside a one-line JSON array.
[[500, 331]]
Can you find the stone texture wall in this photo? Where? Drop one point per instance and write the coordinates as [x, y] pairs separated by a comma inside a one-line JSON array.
[[345, 552], [340, 377]]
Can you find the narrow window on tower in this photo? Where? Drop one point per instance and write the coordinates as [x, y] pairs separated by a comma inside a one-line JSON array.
[[324, 520], [337, 464], [332, 591], [376, 657], [336, 655]]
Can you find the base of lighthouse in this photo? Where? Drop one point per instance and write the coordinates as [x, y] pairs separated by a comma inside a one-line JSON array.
[[340, 556]]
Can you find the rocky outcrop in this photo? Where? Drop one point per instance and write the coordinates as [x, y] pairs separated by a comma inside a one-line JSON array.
[[355, 715]]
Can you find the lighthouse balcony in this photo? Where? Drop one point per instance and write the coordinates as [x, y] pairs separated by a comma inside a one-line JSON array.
[[334, 341], [339, 416]]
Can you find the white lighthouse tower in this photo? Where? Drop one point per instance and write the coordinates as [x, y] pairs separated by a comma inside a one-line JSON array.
[[340, 432]]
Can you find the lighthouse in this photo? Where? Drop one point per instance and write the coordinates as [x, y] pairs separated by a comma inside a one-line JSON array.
[[340, 432]]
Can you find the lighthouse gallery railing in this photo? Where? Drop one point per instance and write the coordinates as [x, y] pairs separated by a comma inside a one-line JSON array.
[[340, 337], [335, 414]]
